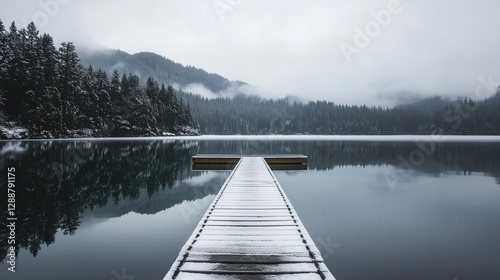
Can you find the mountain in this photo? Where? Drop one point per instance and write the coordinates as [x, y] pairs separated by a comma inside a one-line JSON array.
[[164, 70]]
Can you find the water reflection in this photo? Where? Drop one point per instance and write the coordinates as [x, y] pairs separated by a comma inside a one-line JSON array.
[[63, 184], [57, 182], [432, 158], [431, 227]]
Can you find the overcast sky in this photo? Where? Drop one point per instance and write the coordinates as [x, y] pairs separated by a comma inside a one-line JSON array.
[[374, 52]]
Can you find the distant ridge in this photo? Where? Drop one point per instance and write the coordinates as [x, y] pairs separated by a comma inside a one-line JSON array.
[[164, 70], [427, 105]]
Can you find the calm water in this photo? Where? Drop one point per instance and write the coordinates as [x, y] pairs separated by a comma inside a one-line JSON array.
[[377, 210]]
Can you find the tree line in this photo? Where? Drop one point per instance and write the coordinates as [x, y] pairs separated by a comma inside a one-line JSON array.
[[254, 115], [49, 92]]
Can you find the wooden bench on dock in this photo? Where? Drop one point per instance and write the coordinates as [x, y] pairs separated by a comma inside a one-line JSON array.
[[250, 231]]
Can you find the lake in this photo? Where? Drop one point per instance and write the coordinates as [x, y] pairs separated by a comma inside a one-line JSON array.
[[376, 208]]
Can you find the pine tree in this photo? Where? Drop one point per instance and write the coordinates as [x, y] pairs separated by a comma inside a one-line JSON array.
[[152, 90], [41, 112], [115, 87], [133, 82], [121, 108], [102, 82], [104, 107], [89, 80], [69, 82], [6, 56], [124, 86], [153, 93], [88, 101], [49, 61], [162, 109], [34, 58], [15, 78], [171, 109], [33, 80]]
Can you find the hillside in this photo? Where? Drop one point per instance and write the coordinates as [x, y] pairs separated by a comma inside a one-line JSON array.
[[146, 64]]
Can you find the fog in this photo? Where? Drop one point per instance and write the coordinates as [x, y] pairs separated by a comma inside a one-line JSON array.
[[374, 52]]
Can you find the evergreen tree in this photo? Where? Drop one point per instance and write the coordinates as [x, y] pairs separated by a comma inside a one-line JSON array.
[[120, 108], [153, 94], [49, 61], [115, 87], [88, 100], [124, 86], [102, 82], [34, 59], [69, 82], [6, 56], [170, 109], [15, 77], [104, 107], [133, 82], [89, 80], [42, 113], [163, 109]]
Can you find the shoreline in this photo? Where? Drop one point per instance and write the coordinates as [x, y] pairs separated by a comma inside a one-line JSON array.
[[359, 138]]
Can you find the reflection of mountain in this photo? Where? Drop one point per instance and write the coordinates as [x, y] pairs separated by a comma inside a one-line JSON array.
[[56, 182], [437, 157]]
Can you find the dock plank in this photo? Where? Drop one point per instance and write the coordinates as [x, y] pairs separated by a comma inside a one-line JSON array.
[[250, 231]]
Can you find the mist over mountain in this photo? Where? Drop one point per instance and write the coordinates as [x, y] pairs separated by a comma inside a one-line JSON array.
[[427, 105], [164, 70]]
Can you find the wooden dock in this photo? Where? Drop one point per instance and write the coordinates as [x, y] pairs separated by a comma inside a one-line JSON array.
[[250, 231], [229, 161], [233, 158]]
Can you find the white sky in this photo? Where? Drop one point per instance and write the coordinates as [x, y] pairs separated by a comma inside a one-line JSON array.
[[291, 47]]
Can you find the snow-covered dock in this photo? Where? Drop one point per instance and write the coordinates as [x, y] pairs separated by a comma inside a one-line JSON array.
[[250, 231], [231, 158], [229, 161]]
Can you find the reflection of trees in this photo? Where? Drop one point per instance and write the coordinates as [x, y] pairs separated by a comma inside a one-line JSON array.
[[323, 155], [58, 181], [162, 199]]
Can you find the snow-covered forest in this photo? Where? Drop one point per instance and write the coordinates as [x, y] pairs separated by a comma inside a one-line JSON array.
[[45, 92], [436, 115]]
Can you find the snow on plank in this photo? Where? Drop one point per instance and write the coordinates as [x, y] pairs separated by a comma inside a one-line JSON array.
[[250, 231]]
